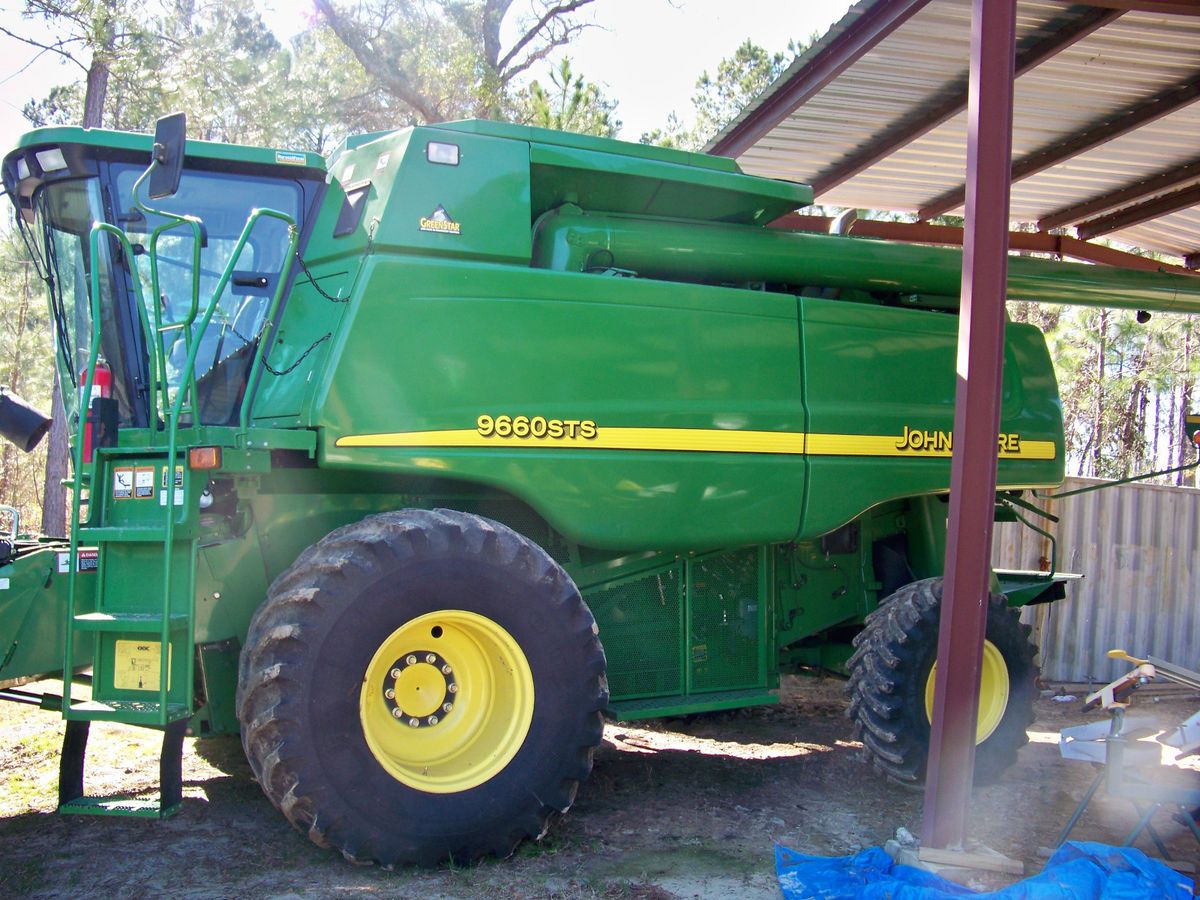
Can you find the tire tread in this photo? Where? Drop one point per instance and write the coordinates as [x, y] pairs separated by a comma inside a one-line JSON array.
[[278, 641]]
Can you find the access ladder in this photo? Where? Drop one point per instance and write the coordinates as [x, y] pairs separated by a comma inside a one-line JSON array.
[[143, 521]]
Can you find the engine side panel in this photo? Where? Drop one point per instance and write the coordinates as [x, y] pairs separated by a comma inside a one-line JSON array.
[[638, 400]]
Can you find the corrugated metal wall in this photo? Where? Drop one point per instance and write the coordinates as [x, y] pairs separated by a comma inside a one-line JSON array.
[[1138, 547]]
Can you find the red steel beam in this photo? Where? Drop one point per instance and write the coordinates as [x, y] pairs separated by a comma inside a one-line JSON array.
[[976, 426], [1110, 256], [1099, 132], [1140, 212], [1156, 7], [1027, 241], [1060, 34], [843, 51], [1179, 177]]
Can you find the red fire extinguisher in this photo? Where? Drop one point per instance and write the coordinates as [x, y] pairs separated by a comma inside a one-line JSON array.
[[101, 387]]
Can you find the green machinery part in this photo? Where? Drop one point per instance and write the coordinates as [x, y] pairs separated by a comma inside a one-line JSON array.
[[487, 348]]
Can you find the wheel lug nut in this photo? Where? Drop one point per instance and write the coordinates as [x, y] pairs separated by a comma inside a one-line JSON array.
[[411, 659], [433, 720], [398, 713], [430, 658], [415, 723], [446, 670], [390, 694], [452, 688], [395, 673], [446, 707]]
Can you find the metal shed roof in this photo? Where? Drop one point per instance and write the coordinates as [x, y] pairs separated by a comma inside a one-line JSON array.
[[1106, 131]]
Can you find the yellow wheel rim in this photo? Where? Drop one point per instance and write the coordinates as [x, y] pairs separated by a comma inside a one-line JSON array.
[[446, 701], [993, 692]]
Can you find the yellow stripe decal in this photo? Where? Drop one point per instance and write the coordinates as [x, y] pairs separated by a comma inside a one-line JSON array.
[[701, 440], [694, 440]]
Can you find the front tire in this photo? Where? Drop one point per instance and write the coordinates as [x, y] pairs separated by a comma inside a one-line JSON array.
[[891, 684], [422, 686]]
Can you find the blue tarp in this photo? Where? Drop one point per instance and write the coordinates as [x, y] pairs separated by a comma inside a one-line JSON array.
[[1077, 871]]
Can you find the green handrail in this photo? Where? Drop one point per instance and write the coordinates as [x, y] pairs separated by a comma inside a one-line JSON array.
[[15, 515], [175, 220], [160, 383], [80, 480], [260, 353], [148, 330], [184, 325], [187, 386]]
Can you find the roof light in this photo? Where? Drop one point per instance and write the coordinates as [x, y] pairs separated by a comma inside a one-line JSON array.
[[51, 160], [22, 168], [442, 154]]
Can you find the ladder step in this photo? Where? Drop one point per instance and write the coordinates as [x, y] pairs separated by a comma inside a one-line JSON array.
[[131, 712], [117, 806], [73, 801], [140, 623]]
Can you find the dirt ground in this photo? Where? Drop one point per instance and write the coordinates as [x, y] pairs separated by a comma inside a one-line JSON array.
[[674, 808]]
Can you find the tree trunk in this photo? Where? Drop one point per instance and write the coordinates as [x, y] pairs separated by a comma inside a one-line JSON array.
[[1098, 424], [8, 490], [1172, 420], [97, 89], [1157, 422], [54, 502], [1185, 403]]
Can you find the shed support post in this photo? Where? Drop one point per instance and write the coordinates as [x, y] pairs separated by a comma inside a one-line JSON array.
[[976, 425]]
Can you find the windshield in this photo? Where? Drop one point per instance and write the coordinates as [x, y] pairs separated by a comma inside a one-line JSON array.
[[65, 211], [223, 202]]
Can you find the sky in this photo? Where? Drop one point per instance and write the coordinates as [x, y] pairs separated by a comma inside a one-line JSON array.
[[647, 54]]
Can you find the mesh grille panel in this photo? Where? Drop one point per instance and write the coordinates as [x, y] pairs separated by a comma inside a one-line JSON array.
[[725, 619], [640, 624]]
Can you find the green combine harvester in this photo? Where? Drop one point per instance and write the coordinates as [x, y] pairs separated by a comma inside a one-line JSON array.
[[416, 465]]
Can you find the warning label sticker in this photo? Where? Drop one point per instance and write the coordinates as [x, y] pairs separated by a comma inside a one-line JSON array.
[[162, 498], [137, 666], [122, 484], [88, 561], [143, 482]]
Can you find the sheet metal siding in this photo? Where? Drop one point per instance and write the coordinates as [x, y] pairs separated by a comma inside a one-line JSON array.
[[1130, 60], [1138, 547]]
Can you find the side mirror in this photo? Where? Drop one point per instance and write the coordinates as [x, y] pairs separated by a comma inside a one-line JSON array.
[[170, 132]]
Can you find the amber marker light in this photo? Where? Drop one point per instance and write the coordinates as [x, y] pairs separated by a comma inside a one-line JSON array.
[[204, 458]]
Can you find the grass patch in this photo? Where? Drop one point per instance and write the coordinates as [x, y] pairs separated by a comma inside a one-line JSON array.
[[687, 861], [20, 877], [44, 744]]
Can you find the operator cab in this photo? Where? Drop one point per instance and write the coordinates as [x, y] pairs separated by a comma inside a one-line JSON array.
[[63, 181]]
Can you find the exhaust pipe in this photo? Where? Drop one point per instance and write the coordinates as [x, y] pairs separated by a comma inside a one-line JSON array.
[[20, 422]]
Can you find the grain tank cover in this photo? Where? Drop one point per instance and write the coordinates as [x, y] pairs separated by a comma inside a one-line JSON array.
[[617, 176]]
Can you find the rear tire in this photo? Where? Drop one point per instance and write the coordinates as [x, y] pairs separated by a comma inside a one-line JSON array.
[[422, 686], [891, 672]]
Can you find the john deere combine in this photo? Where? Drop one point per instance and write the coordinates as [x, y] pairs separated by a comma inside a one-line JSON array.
[[415, 465]]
